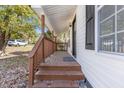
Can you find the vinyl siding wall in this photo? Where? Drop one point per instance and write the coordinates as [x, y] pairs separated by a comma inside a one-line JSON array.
[[101, 69]]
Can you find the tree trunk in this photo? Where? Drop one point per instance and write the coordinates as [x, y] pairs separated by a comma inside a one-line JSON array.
[[2, 39], [4, 44]]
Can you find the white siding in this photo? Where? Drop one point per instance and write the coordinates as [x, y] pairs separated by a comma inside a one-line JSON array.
[[101, 69]]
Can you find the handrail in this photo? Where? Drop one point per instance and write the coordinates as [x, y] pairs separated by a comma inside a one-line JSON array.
[[43, 48], [35, 47]]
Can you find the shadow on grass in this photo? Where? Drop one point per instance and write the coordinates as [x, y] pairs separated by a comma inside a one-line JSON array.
[[15, 54], [20, 53]]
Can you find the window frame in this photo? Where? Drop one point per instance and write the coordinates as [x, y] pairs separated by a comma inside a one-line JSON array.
[[97, 30]]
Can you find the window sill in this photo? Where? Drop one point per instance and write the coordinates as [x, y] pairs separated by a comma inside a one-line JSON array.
[[113, 55]]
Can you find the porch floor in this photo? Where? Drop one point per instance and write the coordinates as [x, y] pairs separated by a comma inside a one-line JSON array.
[[62, 65], [61, 57]]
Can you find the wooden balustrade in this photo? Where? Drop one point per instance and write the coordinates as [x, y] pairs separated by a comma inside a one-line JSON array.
[[43, 48], [48, 47], [61, 46]]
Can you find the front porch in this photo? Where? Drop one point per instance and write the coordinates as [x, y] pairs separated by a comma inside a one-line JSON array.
[[50, 64], [59, 70], [51, 68]]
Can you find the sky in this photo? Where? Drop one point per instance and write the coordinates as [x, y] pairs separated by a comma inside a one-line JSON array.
[[39, 30]]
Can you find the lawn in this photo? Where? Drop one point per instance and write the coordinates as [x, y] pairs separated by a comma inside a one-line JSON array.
[[14, 67]]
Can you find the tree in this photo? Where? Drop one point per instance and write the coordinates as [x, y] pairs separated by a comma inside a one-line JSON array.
[[48, 34], [16, 21]]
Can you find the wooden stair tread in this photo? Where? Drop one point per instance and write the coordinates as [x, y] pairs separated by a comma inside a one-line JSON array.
[[60, 64], [53, 72], [56, 84], [59, 75]]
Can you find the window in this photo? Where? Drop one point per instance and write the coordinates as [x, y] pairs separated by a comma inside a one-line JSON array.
[[90, 13], [111, 28]]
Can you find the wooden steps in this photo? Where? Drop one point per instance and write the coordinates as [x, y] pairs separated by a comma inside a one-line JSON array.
[[58, 75], [72, 66], [56, 72], [56, 84]]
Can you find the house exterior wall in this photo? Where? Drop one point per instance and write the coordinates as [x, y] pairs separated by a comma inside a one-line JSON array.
[[100, 69]]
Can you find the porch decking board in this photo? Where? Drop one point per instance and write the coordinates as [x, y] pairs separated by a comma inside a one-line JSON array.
[[56, 72], [57, 84]]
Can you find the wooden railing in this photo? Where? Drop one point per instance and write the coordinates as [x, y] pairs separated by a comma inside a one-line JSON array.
[[49, 47], [61, 46], [43, 48]]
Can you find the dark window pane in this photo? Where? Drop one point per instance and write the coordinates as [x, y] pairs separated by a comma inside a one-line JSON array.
[[98, 5], [90, 27], [106, 11], [120, 38], [108, 26], [120, 21], [90, 31], [120, 7], [89, 12], [107, 43]]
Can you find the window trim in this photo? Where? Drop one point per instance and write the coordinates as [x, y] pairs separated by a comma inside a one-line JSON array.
[[97, 31]]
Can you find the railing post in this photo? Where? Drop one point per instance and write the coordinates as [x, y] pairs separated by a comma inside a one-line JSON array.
[[31, 72], [43, 27], [52, 48], [55, 44]]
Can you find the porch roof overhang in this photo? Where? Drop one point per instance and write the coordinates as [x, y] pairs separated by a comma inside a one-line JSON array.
[[58, 17]]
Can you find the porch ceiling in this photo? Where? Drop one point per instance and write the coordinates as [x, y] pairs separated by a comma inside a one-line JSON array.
[[59, 16]]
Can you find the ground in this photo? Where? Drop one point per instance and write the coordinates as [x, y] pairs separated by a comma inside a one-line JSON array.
[[14, 67]]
